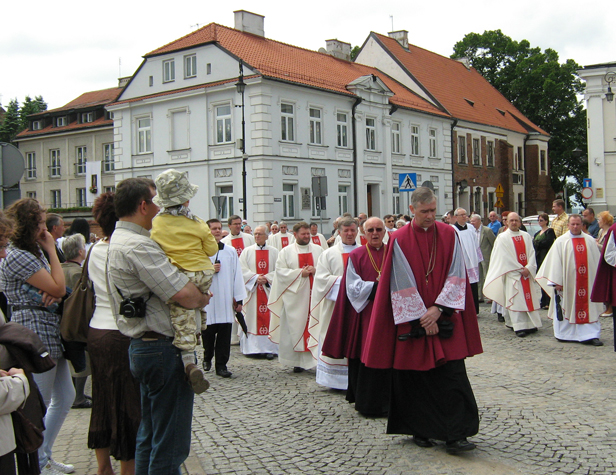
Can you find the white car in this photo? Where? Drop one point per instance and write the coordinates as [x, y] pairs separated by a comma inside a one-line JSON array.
[[532, 223]]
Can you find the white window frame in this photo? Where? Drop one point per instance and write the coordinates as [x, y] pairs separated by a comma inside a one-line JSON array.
[[370, 133], [543, 162], [433, 144], [224, 124], [31, 194], [144, 135], [81, 197], [109, 189], [342, 130], [395, 137], [81, 157], [36, 125], [462, 159], [108, 158], [56, 198], [30, 165], [476, 152], [226, 191], [287, 122], [289, 200], [315, 115], [343, 198], [55, 170], [415, 143], [520, 155], [87, 117], [61, 121], [169, 70], [190, 66], [396, 200], [490, 153]]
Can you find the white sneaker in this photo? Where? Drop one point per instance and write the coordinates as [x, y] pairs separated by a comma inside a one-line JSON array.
[[61, 467], [49, 470]]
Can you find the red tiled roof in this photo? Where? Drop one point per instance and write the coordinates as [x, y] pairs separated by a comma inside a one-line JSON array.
[[74, 125], [87, 100], [281, 61], [453, 85]]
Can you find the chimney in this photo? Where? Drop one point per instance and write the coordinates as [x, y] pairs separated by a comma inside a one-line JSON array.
[[465, 61], [401, 36], [123, 81], [249, 22], [338, 49]]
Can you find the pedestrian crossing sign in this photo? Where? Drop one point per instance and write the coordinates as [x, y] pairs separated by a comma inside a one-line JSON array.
[[407, 181]]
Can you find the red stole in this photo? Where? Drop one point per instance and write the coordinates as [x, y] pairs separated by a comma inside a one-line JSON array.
[[520, 251], [362, 240], [581, 280], [263, 312], [345, 258], [316, 240], [238, 244], [284, 241], [306, 260]]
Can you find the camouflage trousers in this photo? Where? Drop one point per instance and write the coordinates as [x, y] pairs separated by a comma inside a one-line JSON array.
[[188, 322]]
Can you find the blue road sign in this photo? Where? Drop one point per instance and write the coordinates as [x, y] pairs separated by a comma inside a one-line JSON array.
[[587, 182], [407, 181]]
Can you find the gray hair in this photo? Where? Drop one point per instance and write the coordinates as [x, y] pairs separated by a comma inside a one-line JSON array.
[[475, 215], [72, 245], [458, 209], [422, 195], [346, 221]]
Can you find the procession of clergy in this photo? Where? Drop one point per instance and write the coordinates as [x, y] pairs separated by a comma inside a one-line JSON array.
[[310, 301]]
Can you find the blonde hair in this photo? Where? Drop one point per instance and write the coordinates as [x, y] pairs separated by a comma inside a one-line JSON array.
[[606, 217]]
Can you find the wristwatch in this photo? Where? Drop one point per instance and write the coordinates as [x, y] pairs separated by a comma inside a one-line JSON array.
[[440, 309]]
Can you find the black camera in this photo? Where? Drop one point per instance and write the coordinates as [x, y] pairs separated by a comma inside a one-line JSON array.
[[133, 307]]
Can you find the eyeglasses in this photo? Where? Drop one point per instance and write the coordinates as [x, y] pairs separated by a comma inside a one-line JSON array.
[[374, 230]]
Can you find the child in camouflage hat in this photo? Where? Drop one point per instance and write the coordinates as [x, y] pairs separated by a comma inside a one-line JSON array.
[[188, 242]]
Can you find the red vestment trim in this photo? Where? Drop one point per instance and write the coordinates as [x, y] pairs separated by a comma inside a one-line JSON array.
[[238, 244], [263, 312], [306, 260], [581, 280], [316, 240], [284, 241], [345, 258], [520, 251], [363, 240]]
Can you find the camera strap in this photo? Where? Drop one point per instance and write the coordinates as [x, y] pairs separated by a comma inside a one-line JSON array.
[[123, 298]]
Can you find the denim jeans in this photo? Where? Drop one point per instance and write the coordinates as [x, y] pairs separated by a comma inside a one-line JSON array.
[[56, 387], [163, 439]]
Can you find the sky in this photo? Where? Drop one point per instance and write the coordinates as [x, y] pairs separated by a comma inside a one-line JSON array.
[[62, 49]]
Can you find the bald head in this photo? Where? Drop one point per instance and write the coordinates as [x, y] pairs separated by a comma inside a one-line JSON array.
[[513, 221]]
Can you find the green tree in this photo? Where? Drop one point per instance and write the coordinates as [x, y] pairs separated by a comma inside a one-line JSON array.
[[10, 125], [354, 52], [28, 107], [543, 89]]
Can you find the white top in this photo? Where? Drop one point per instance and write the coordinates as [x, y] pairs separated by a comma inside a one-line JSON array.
[[227, 286], [103, 318]]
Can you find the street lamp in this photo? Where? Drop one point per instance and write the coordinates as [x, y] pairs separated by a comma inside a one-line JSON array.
[[241, 87], [609, 79]]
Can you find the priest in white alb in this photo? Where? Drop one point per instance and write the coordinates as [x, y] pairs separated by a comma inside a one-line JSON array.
[[290, 297], [317, 237], [236, 238], [332, 373], [258, 264], [567, 275], [472, 252], [510, 280], [281, 239]]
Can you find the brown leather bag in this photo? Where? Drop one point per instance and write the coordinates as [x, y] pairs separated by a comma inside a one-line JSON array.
[[79, 308]]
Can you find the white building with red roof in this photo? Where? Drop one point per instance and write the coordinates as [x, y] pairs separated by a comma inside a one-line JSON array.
[[307, 114]]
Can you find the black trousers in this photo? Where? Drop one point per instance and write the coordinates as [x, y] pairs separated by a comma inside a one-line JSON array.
[[217, 343]]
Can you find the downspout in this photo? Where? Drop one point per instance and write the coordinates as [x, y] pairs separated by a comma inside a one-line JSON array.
[[354, 130], [453, 149]]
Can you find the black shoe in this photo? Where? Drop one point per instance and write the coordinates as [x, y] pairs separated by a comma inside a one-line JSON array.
[[223, 373], [297, 369], [593, 342], [521, 333], [531, 330], [422, 442], [501, 318], [86, 404], [270, 356], [207, 365], [462, 445]]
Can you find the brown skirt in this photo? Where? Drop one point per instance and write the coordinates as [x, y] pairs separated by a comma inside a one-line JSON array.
[[116, 406]]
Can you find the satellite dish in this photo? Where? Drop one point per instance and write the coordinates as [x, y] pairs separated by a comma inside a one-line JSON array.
[[428, 184], [13, 165]]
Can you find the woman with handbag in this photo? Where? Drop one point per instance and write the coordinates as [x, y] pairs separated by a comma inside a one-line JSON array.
[[33, 286], [116, 409]]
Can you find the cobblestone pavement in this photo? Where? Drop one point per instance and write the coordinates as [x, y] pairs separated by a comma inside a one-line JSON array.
[[546, 407]]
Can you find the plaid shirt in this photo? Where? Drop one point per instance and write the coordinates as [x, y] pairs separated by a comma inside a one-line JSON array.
[[15, 270], [138, 267], [560, 225]]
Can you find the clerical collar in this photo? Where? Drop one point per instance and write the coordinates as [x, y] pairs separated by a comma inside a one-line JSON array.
[[576, 235], [461, 228], [417, 226], [236, 235], [262, 247], [347, 247]]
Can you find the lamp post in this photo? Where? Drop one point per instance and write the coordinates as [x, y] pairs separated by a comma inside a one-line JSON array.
[[241, 87], [609, 79]]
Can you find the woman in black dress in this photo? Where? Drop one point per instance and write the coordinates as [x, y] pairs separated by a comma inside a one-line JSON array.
[[544, 238]]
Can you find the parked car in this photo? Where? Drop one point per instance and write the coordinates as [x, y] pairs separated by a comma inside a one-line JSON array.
[[532, 223]]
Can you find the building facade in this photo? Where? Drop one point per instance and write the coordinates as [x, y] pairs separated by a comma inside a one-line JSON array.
[[601, 110], [69, 152]]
